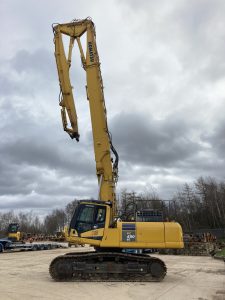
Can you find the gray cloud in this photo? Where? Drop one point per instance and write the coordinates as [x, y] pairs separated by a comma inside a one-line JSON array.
[[26, 73], [39, 62], [34, 152], [158, 143], [163, 69], [216, 139]]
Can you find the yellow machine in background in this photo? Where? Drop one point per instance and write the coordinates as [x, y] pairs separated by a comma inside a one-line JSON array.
[[14, 233], [95, 222]]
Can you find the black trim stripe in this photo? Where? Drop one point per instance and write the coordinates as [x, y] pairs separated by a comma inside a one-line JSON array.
[[128, 226], [93, 237]]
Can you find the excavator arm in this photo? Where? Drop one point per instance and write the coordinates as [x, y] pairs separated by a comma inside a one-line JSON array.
[[66, 100], [107, 172]]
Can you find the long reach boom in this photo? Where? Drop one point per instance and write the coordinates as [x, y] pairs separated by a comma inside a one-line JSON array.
[[106, 172]]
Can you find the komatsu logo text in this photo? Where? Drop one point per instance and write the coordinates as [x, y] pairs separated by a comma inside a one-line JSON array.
[[91, 53]]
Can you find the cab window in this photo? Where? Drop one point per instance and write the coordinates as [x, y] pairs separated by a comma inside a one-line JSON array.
[[90, 217], [87, 214], [100, 217], [85, 219]]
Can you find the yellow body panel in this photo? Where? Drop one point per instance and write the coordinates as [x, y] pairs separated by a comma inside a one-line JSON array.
[[111, 238], [15, 236], [142, 235]]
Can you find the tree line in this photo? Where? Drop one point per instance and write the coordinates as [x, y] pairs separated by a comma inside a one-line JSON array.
[[198, 205], [31, 223]]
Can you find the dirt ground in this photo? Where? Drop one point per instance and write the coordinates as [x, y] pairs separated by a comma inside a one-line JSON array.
[[25, 276]]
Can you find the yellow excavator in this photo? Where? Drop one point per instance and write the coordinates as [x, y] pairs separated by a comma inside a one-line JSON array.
[[14, 233], [95, 222]]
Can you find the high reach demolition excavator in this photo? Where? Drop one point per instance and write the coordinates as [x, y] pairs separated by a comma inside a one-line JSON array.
[[95, 222]]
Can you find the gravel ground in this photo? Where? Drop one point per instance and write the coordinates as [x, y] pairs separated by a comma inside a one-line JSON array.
[[24, 275]]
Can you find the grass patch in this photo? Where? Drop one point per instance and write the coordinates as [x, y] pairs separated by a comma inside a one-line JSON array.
[[221, 253]]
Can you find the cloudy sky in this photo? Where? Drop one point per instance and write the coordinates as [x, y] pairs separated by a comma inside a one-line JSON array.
[[163, 67]]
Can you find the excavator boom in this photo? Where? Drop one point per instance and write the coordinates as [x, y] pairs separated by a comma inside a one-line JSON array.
[[106, 172]]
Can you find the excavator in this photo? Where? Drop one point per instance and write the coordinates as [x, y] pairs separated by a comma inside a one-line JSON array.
[[14, 233], [95, 222]]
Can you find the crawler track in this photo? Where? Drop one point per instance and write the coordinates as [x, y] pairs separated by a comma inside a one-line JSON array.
[[106, 266]]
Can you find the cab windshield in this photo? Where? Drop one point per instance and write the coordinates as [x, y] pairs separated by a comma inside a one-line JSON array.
[[89, 217]]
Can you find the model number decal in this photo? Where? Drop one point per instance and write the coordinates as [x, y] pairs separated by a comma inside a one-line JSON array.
[[91, 52], [129, 236], [128, 232]]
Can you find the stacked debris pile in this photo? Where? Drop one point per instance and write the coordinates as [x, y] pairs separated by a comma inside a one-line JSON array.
[[196, 245], [198, 248], [193, 249]]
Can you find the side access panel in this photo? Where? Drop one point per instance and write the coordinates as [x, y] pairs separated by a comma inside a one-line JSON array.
[[142, 234], [173, 235]]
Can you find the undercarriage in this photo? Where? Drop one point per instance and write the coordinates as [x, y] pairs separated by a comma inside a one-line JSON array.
[[107, 266]]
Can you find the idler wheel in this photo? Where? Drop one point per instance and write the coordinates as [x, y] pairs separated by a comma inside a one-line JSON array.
[[157, 269]]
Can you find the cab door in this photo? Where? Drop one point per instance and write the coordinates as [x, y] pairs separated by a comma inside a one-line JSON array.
[[90, 221]]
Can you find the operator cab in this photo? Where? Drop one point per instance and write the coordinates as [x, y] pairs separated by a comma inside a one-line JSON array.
[[13, 228], [88, 216]]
